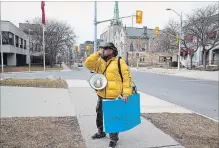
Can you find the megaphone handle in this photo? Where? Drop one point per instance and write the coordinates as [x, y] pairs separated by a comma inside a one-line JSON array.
[[119, 97]]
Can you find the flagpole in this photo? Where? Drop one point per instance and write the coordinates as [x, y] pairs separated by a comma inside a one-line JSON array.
[[44, 59], [1, 43], [43, 25]]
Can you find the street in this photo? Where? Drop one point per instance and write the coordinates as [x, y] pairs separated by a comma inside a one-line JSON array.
[[197, 95]]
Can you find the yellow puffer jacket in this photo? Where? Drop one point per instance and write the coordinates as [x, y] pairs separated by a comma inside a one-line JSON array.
[[114, 87]]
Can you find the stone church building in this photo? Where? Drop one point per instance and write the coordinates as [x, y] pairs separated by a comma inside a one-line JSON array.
[[131, 41]]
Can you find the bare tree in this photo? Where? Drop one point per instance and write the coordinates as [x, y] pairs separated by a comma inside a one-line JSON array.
[[172, 29], [166, 41], [34, 30], [58, 36], [199, 30], [201, 27]]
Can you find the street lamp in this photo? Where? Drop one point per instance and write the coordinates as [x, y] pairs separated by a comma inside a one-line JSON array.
[[180, 34], [29, 43]]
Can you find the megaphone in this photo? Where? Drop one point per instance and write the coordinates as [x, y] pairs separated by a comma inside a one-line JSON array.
[[98, 81]]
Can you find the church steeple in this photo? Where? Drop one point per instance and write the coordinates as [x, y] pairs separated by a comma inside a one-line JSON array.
[[116, 20]]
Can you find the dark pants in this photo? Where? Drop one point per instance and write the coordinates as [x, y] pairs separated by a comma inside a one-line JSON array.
[[99, 120]]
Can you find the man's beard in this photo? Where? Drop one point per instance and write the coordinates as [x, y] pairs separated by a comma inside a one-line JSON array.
[[105, 58]]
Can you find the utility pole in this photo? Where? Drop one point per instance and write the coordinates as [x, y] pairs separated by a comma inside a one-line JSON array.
[[98, 22], [44, 59], [95, 26], [29, 48], [180, 37]]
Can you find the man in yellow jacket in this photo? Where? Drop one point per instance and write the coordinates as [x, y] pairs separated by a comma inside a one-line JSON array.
[[106, 62]]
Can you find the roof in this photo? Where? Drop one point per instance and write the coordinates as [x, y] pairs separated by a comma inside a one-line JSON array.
[[165, 54], [138, 32], [215, 17], [8, 22], [25, 26]]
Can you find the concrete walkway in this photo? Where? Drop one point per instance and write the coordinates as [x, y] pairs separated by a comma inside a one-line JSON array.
[[65, 67], [34, 102], [146, 135]]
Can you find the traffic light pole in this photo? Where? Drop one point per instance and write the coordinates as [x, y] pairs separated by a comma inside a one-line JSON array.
[[95, 26], [98, 22], [180, 37]]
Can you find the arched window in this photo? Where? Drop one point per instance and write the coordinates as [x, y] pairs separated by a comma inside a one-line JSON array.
[[143, 46], [121, 47], [131, 47]]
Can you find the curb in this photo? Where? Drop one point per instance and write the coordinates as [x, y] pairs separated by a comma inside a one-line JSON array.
[[174, 74], [194, 112], [31, 72]]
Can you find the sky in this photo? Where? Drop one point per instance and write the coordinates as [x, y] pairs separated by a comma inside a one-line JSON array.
[[80, 15]]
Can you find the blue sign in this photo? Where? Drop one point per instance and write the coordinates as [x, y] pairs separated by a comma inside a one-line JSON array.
[[120, 116]]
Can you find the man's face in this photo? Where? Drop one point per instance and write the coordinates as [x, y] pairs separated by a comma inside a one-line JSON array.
[[107, 51]]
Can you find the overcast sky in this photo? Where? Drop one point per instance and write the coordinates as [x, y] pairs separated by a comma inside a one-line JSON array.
[[80, 15]]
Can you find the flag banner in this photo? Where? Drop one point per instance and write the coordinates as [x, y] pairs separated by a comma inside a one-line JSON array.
[[43, 12], [120, 116]]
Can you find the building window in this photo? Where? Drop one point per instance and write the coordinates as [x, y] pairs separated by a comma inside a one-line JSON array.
[[25, 44], [143, 46], [36, 47], [31, 46], [5, 38], [21, 41], [16, 41], [11, 38]]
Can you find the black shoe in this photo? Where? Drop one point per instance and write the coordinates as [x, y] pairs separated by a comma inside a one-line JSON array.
[[112, 144], [98, 135]]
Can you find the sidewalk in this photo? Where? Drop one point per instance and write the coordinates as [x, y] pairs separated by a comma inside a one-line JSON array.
[[38, 118], [146, 135], [65, 67], [202, 75], [35, 102]]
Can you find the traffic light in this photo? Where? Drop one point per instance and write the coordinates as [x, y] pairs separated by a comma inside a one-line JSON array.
[[88, 47], [139, 14], [76, 48], [177, 39], [156, 31]]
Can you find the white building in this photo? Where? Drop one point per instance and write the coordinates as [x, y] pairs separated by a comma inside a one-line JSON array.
[[212, 58], [15, 45]]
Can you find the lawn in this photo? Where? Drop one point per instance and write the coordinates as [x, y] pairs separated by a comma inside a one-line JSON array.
[[42, 83], [190, 130], [41, 132]]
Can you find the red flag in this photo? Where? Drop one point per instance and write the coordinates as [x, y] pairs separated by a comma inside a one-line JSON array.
[[43, 12]]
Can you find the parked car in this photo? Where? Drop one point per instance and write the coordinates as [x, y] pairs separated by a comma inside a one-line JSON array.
[[78, 63]]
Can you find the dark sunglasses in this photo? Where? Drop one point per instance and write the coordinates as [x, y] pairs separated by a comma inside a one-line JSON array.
[[107, 48]]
